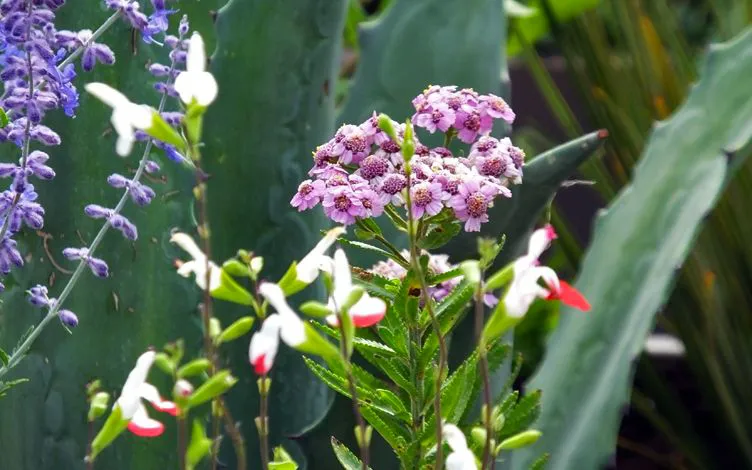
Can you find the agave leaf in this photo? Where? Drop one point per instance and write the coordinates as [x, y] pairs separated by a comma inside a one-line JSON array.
[[629, 269]]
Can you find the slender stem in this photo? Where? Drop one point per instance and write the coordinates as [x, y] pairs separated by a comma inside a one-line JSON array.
[[354, 394], [182, 439], [94, 36], [206, 315], [485, 375], [427, 300], [90, 462], [263, 425], [415, 400], [19, 353]]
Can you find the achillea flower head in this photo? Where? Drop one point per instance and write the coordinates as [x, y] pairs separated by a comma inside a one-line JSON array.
[[360, 161]]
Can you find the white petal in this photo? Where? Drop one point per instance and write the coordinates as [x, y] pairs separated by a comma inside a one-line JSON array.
[[196, 60], [187, 268], [215, 276], [367, 311], [131, 393], [124, 145], [276, 298], [142, 425], [292, 329], [461, 460], [265, 342], [106, 94], [342, 278], [141, 116], [185, 241], [540, 240], [454, 437], [183, 85], [308, 267], [205, 88]]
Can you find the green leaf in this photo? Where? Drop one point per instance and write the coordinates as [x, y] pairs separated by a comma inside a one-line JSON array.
[[238, 328], [6, 386], [194, 368], [3, 118], [540, 463], [348, 460], [4, 357], [439, 235], [522, 415], [199, 447], [218, 384], [628, 271]]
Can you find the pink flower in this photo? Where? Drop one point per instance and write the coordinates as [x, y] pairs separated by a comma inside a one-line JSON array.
[[342, 205], [371, 201], [497, 108], [437, 116], [472, 200], [351, 144], [309, 194], [374, 166], [426, 199], [391, 189], [470, 123]]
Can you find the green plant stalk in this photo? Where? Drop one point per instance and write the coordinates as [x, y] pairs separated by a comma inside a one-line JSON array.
[[354, 394], [206, 315], [482, 354], [181, 441], [415, 262], [264, 419], [19, 353]]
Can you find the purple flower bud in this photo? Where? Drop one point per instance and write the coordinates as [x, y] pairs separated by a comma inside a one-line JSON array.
[[88, 61], [171, 41], [141, 194], [37, 296], [98, 267], [74, 254], [68, 318], [95, 211], [125, 226], [9, 255], [159, 4], [45, 135], [103, 54], [118, 181], [8, 169], [184, 26], [159, 70], [151, 167]]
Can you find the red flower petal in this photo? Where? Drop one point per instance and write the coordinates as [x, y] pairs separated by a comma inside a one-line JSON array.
[[259, 365], [572, 297], [166, 407], [364, 321], [154, 429]]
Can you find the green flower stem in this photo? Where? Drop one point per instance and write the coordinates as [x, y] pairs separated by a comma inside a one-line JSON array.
[[206, 315], [415, 263], [482, 353], [387, 244], [264, 424]]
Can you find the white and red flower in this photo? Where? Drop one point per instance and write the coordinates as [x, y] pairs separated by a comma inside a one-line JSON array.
[[285, 324], [367, 311], [525, 287], [137, 388]]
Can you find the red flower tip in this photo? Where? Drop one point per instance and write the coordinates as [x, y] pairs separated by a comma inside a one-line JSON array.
[[259, 366], [146, 431], [550, 232], [572, 297]]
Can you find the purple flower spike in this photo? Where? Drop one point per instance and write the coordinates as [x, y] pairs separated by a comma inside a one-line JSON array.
[[141, 194], [68, 318], [98, 266], [9, 256]]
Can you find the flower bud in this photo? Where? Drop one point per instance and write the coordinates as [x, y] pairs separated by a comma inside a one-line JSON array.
[[98, 405], [182, 389]]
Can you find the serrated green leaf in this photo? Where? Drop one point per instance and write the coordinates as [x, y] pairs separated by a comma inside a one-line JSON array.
[[6, 386], [445, 276], [440, 235], [496, 357], [522, 415], [348, 460], [628, 271], [4, 357], [540, 463]]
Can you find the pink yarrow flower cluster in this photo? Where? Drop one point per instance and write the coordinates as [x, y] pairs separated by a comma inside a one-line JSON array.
[[361, 170]]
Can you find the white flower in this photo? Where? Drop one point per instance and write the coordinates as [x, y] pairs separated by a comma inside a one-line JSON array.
[[126, 116], [197, 265], [367, 311], [308, 268], [285, 323], [461, 458], [136, 388], [196, 83]]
